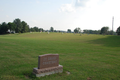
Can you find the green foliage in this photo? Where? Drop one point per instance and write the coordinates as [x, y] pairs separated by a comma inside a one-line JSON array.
[[104, 30], [55, 30], [32, 30], [3, 28], [51, 29], [118, 31], [110, 32], [12, 26], [18, 24], [25, 27], [0, 27], [35, 29], [91, 31], [77, 30], [69, 30], [41, 30]]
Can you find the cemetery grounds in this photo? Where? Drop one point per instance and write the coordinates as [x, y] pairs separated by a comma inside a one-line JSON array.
[[94, 57]]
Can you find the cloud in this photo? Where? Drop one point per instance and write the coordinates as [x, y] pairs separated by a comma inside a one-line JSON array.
[[80, 3], [7, 16], [37, 2], [67, 8], [34, 21], [88, 3]]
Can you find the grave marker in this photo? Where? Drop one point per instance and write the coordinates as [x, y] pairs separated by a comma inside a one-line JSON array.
[[48, 64]]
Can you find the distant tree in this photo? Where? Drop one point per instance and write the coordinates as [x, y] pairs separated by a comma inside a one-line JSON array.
[[51, 29], [25, 27], [84, 31], [3, 28], [12, 26], [28, 28], [91, 31], [77, 30], [98, 32], [32, 29], [110, 32], [55, 30], [41, 29], [0, 28], [118, 31], [69, 30], [36, 29], [104, 30], [18, 24]]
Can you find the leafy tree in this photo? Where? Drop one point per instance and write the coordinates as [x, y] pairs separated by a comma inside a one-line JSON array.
[[104, 30], [32, 29], [28, 28], [91, 31], [25, 27], [110, 32], [118, 31], [51, 29], [36, 29], [3, 28], [77, 30], [41, 30], [18, 24], [69, 30], [0, 28], [55, 30], [12, 26]]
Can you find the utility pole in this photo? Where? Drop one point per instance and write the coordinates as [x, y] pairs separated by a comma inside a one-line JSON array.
[[112, 24]]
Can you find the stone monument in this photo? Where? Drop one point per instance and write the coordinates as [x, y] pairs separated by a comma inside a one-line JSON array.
[[48, 64]]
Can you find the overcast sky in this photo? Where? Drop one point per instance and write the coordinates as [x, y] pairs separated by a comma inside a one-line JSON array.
[[62, 14]]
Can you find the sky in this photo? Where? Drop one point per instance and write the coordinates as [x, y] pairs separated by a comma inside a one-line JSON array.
[[62, 14]]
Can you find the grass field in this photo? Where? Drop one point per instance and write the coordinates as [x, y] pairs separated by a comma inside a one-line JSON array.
[[87, 56]]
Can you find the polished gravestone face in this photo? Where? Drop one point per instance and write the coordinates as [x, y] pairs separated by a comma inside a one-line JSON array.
[[48, 60]]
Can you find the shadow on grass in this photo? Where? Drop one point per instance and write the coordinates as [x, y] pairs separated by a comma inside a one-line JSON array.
[[29, 75], [109, 41]]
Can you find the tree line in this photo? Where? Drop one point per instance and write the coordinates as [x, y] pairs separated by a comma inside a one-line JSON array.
[[19, 26], [104, 30]]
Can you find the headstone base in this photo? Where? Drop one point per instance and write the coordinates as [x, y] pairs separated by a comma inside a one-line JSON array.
[[47, 71]]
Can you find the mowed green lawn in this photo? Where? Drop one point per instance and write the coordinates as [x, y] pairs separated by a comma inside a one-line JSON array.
[[88, 56]]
